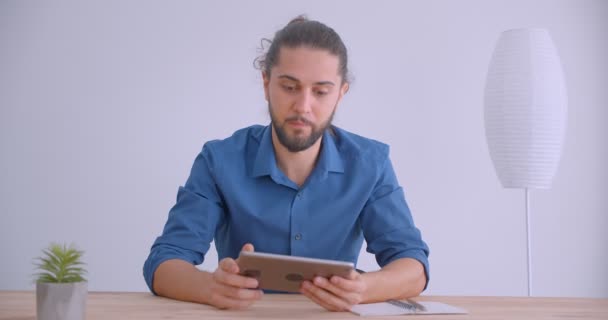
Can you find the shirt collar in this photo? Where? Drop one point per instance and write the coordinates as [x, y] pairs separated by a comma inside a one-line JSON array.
[[330, 159], [265, 162]]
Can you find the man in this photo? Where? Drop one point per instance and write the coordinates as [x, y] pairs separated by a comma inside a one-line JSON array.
[[300, 187]]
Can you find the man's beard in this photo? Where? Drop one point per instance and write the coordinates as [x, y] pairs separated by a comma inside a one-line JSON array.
[[297, 144]]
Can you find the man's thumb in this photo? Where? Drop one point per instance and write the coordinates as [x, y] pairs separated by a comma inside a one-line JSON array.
[[248, 247]]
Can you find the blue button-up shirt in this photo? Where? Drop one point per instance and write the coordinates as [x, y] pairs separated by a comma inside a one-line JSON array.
[[236, 194]]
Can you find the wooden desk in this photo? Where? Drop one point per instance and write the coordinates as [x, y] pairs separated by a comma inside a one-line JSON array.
[[20, 305]]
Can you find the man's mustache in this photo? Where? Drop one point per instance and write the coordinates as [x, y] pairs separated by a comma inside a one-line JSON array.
[[301, 119]]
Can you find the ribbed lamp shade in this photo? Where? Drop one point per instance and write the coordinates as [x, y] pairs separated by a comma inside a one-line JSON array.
[[525, 108]]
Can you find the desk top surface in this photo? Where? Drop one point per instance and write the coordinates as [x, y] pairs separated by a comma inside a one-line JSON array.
[[21, 305]]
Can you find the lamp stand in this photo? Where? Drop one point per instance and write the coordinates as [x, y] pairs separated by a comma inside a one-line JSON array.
[[529, 240]]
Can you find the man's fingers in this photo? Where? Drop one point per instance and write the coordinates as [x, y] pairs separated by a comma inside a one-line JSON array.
[[325, 284], [325, 298], [229, 265], [316, 300], [351, 297], [232, 290], [241, 293], [306, 292], [248, 247], [348, 285], [224, 302], [235, 280]]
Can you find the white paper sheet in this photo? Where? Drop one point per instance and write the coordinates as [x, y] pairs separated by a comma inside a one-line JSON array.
[[389, 309]]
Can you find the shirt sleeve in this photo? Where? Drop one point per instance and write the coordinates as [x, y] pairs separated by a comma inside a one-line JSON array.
[[388, 226], [192, 221]]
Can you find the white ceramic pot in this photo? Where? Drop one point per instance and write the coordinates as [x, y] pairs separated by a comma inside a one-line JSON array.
[[61, 301]]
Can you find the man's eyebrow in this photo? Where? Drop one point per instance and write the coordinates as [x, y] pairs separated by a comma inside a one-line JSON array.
[[294, 79]]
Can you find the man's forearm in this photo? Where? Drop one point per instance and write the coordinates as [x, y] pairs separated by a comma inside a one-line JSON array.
[[180, 280], [400, 279]]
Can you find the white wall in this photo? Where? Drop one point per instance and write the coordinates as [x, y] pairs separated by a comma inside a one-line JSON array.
[[104, 105]]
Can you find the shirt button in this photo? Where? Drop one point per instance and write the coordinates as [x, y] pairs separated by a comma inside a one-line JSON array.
[[298, 236], [299, 194]]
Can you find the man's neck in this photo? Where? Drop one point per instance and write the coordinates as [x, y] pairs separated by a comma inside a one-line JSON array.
[[297, 166]]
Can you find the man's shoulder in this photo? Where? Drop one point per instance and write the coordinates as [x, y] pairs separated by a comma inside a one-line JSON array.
[[238, 140], [354, 146]]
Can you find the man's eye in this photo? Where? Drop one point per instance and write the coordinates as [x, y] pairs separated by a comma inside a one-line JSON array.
[[321, 93], [289, 88]]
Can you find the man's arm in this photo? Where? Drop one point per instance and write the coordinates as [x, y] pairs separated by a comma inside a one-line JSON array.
[[403, 278], [400, 279], [224, 288], [169, 270], [181, 280]]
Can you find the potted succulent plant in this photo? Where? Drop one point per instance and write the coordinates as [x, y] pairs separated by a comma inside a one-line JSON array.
[[61, 289]]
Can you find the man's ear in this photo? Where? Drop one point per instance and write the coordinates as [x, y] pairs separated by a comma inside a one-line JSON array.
[[343, 90], [266, 79]]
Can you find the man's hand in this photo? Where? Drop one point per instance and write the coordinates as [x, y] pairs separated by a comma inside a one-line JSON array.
[[228, 289], [337, 293]]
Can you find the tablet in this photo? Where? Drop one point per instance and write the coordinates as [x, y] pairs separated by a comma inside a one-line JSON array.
[[286, 273]]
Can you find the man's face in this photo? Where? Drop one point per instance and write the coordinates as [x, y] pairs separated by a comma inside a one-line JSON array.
[[303, 91]]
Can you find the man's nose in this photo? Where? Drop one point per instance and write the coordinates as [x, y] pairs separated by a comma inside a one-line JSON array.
[[303, 102]]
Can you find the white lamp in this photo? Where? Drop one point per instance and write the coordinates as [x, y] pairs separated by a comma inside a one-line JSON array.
[[525, 114]]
